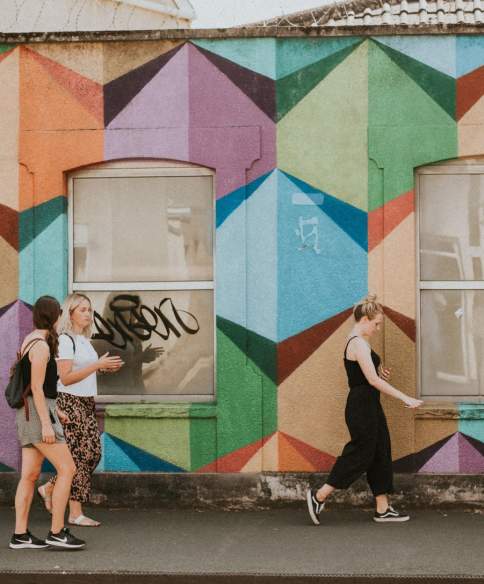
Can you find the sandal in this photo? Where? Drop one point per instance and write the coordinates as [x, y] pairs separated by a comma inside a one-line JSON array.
[[47, 499], [83, 521]]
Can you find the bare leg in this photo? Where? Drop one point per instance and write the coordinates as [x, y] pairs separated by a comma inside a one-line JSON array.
[[381, 503], [31, 465], [324, 492], [60, 457]]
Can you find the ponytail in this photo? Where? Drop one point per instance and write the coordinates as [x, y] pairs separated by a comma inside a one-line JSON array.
[[368, 307], [45, 314]]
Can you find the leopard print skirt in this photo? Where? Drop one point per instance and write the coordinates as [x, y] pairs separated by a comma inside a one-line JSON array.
[[83, 438]]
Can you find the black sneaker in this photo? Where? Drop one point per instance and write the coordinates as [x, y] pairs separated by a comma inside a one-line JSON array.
[[65, 540], [390, 515], [314, 506], [26, 541]]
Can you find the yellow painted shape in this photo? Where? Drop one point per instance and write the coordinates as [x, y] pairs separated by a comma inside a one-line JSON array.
[[321, 382], [9, 273], [471, 131], [122, 57], [9, 122], [323, 140], [400, 355], [400, 269], [85, 59], [266, 458]]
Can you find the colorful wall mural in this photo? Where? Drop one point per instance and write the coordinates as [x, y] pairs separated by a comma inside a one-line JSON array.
[[314, 143]]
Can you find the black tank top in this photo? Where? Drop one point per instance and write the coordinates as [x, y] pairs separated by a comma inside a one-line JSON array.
[[355, 375], [50, 381]]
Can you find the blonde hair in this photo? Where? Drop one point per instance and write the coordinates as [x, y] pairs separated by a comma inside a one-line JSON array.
[[368, 307], [68, 306]]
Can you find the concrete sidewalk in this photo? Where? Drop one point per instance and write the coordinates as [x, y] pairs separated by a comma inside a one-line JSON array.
[[258, 546]]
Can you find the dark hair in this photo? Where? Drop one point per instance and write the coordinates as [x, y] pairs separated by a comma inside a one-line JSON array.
[[45, 314]]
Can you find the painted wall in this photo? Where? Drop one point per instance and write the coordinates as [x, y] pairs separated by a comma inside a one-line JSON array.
[[314, 144]]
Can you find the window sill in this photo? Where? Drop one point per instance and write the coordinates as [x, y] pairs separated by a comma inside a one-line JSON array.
[[450, 411], [161, 410]]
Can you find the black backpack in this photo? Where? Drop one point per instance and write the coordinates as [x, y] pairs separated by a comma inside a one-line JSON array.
[[16, 392]]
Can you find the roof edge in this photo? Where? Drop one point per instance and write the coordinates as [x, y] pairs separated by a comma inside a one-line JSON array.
[[163, 9], [252, 32]]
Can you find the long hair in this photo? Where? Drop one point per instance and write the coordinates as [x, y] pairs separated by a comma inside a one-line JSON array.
[[68, 306], [46, 311]]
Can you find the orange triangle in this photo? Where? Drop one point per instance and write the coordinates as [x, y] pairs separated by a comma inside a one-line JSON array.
[[87, 92], [385, 219], [320, 460], [48, 104], [290, 459]]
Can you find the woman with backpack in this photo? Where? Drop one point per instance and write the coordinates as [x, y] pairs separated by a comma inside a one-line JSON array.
[[40, 431], [77, 364]]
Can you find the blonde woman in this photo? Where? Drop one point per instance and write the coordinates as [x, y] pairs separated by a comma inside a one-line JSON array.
[[369, 450], [77, 365]]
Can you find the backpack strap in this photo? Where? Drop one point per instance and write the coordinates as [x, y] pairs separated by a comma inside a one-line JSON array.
[[28, 389], [72, 341]]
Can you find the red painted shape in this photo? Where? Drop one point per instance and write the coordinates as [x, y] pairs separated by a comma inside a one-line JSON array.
[[470, 88], [5, 54], [87, 92], [385, 219], [235, 461], [317, 458], [404, 323], [9, 225], [294, 350]]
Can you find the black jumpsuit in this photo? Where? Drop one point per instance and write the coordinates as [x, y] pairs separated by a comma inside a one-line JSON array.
[[369, 449]]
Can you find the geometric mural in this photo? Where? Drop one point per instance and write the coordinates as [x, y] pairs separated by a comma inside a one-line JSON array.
[[313, 143]]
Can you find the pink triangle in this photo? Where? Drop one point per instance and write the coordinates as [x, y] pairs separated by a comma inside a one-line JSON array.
[[445, 460], [470, 459], [163, 101], [227, 130]]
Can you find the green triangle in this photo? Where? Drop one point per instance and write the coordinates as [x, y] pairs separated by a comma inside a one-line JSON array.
[[292, 88], [4, 48], [440, 87], [407, 129], [323, 140]]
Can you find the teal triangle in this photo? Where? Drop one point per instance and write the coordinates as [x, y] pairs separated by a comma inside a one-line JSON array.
[[439, 86], [5, 468], [35, 220], [292, 88], [142, 460], [114, 458]]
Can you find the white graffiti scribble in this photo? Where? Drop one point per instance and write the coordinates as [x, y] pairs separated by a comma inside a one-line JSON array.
[[308, 233]]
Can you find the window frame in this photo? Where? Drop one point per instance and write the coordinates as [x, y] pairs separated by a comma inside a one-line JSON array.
[[134, 168], [450, 167]]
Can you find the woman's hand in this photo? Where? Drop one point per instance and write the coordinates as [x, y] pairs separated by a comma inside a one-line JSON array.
[[385, 372], [63, 417], [108, 364], [151, 353], [411, 402], [48, 434]]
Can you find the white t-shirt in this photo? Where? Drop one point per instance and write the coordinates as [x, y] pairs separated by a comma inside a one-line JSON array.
[[83, 356]]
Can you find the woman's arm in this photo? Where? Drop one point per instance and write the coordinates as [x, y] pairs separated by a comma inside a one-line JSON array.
[[68, 376], [39, 356], [362, 352]]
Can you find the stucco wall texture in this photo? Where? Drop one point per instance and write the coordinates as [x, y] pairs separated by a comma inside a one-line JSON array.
[[314, 143]]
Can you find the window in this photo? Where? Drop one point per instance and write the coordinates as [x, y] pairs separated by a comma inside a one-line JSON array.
[[142, 238], [451, 275]]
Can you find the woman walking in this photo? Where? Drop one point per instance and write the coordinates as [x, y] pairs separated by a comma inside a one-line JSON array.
[[40, 432], [369, 449], [78, 364]]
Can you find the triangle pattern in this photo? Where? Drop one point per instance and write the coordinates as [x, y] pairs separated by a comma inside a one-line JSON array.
[[5, 51], [439, 86], [292, 88], [321, 461], [290, 459], [292, 352], [5, 308], [471, 460], [143, 460], [113, 457], [6, 468], [87, 92], [33, 221], [446, 459], [229, 203], [470, 88], [413, 462], [258, 88], [234, 461], [258, 349], [469, 53], [477, 444], [9, 225], [9, 289], [404, 323], [119, 92], [351, 220], [256, 54], [385, 219], [267, 457]]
